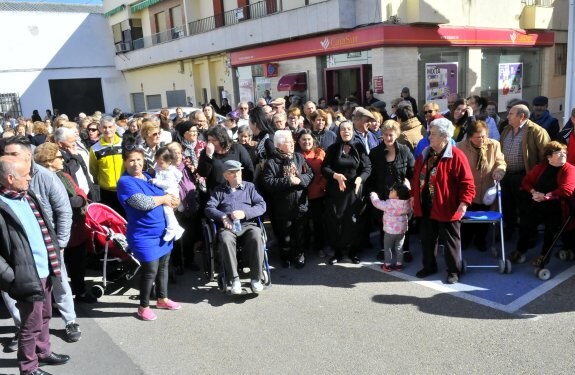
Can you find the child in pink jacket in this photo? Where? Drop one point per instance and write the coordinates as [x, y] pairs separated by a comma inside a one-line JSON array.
[[396, 212]]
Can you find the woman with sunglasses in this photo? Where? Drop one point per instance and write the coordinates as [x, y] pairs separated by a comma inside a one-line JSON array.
[[91, 135], [49, 156], [150, 133]]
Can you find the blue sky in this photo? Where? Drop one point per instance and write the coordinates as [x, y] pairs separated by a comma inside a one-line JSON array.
[[85, 2]]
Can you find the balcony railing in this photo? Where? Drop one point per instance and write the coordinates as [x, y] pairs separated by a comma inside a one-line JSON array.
[[249, 12], [232, 17], [158, 38], [542, 3]]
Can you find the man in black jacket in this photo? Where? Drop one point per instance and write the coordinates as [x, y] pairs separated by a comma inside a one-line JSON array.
[[29, 257]]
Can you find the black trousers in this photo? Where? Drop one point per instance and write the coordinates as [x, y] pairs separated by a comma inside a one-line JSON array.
[[156, 270], [291, 235], [317, 212], [533, 213], [75, 258], [448, 234], [510, 198]]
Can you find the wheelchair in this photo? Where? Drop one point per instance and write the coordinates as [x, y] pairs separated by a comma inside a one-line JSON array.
[[214, 269]]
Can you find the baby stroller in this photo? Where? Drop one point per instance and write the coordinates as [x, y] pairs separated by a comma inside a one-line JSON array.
[[108, 241]]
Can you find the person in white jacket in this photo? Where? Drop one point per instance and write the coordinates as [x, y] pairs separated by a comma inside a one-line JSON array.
[[168, 178], [396, 212]]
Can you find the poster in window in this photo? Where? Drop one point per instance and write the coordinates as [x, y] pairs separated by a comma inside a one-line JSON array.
[[441, 79], [510, 83], [246, 89]]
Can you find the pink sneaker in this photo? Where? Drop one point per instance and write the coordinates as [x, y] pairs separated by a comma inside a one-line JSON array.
[[168, 304], [145, 313]]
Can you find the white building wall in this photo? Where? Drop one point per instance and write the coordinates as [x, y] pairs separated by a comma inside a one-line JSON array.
[[48, 45]]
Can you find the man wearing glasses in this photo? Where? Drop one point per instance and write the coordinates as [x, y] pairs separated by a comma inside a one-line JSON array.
[[243, 113], [106, 164]]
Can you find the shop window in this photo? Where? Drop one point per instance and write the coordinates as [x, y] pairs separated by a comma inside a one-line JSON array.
[[560, 59], [527, 85], [451, 64]]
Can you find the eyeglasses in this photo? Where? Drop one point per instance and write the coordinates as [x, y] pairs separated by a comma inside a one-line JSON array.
[[244, 107], [428, 112], [558, 153], [155, 134], [59, 157], [92, 130]]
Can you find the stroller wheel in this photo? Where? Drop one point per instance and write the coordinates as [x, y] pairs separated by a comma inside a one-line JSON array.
[[508, 267], [97, 291], [544, 274]]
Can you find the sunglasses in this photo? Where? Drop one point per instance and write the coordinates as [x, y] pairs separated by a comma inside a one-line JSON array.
[[59, 157], [92, 129], [155, 134], [428, 112]]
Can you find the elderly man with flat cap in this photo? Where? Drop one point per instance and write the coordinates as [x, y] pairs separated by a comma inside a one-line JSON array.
[[361, 118], [234, 206]]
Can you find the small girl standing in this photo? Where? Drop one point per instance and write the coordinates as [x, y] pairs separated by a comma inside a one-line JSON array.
[[168, 178], [396, 212]]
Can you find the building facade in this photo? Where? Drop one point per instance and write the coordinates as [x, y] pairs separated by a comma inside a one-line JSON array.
[[191, 51], [57, 56]]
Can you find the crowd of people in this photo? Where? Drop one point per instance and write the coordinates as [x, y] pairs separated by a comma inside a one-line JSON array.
[[339, 167]]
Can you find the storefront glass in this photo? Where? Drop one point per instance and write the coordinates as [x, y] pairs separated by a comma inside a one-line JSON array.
[[450, 64], [508, 73]]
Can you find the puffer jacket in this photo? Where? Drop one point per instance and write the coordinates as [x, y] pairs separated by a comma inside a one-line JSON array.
[[286, 200], [18, 274]]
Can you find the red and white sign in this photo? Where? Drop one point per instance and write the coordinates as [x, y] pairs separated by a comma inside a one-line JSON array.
[[393, 35], [378, 85]]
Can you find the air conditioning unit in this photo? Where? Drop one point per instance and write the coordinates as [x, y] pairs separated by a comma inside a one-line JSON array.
[[123, 47], [240, 14]]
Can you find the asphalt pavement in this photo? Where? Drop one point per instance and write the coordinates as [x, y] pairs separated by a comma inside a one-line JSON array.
[[323, 319]]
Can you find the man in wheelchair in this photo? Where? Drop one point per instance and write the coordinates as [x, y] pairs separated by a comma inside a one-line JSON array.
[[234, 206]]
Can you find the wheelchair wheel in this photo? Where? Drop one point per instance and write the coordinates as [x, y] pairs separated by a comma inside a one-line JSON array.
[[208, 253]]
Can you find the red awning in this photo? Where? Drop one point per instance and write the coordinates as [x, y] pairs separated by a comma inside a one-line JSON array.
[[293, 82]]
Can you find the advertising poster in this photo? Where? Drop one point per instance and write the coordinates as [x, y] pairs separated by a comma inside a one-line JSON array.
[[246, 89], [262, 84], [510, 83], [440, 81]]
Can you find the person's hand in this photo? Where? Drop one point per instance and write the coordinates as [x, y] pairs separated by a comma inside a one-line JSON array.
[[469, 111], [537, 196], [357, 184], [210, 150], [498, 175], [227, 222], [171, 200], [461, 210], [373, 195], [238, 215], [294, 180], [340, 180]]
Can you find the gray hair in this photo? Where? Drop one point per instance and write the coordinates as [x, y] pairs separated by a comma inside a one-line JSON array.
[[281, 136], [62, 133], [107, 120], [443, 126], [522, 109]]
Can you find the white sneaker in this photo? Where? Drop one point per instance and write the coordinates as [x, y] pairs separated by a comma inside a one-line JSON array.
[[257, 286], [236, 287]]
